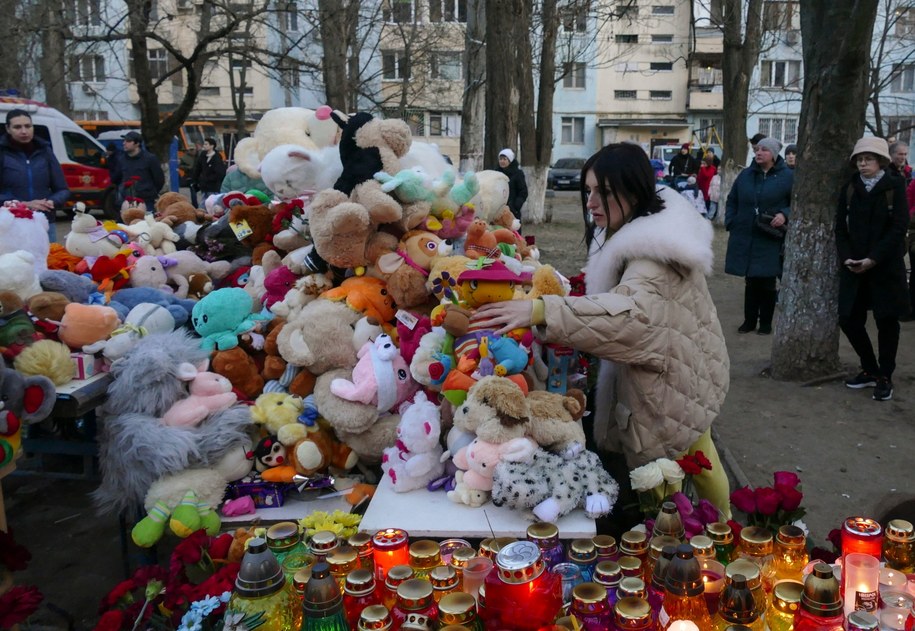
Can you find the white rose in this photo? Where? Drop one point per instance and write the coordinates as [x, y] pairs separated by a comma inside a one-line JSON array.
[[646, 477], [671, 471]]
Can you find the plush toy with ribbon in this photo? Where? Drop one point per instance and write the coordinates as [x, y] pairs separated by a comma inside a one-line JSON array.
[[22, 400]]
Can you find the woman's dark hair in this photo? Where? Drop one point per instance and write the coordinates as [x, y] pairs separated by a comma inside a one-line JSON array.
[[16, 113], [622, 170], [211, 141]]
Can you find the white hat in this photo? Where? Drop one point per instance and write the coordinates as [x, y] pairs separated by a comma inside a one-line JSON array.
[[508, 153], [871, 144]]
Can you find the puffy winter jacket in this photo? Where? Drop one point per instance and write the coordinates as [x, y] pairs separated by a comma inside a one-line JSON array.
[[35, 176]]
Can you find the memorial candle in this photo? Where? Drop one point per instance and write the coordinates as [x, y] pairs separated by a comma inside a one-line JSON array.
[[391, 547], [862, 574]]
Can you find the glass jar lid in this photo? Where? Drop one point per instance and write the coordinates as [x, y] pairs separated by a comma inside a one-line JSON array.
[[414, 593], [660, 542], [456, 608], [634, 542], [323, 542], [342, 559], [461, 556], [542, 530], [862, 526], [582, 551], [703, 547], [791, 536], [375, 618], [519, 562], [443, 577], [756, 541], [282, 536], [362, 542], [490, 547], [397, 575], [719, 532], [631, 586], [746, 567], [786, 596], [861, 620], [589, 593], [425, 553], [359, 583], [390, 538], [900, 530], [630, 566], [607, 573], [632, 608], [605, 545]]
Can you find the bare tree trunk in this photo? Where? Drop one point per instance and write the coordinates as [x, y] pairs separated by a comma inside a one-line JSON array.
[[13, 34], [503, 92], [832, 118], [473, 111], [336, 21], [52, 63]]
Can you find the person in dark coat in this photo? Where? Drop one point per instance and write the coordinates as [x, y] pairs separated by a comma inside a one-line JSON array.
[[209, 169], [762, 187], [517, 185], [871, 221], [141, 169], [29, 170], [683, 163]]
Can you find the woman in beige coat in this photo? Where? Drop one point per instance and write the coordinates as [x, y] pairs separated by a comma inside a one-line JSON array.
[[648, 316]]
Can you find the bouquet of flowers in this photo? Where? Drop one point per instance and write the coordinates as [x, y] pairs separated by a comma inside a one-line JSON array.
[[129, 185], [772, 506], [21, 601], [198, 570]]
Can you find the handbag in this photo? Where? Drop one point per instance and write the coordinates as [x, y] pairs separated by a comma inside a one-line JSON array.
[[764, 225]]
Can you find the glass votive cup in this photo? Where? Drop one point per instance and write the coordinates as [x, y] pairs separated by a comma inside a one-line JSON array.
[[892, 580], [475, 573], [448, 546], [296, 561], [893, 619], [570, 574]]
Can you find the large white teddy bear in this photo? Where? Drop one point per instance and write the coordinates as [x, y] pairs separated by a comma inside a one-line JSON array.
[[308, 128], [24, 229], [415, 460], [19, 274]]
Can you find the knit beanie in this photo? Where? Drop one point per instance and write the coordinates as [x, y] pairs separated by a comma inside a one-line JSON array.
[[791, 149], [508, 153], [770, 144]]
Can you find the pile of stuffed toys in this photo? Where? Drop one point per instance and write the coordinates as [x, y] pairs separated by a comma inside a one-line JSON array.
[[317, 322]]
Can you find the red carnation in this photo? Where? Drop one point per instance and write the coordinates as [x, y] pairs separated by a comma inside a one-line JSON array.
[[689, 465], [13, 556], [121, 591], [835, 538], [744, 499], [791, 497], [703, 462], [767, 500], [110, 621], [190, 551], [219, 547], [18, 604], [786, 478]]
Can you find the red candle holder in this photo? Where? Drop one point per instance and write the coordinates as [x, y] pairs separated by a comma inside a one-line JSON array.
[[391, 547], [862, 535]]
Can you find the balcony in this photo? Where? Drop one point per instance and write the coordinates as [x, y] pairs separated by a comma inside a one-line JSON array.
[[709, 41], [705, 99]]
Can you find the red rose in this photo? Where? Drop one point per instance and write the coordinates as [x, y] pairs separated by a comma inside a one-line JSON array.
[[219, 547], [18, 604], [13, 556], [190, 551], [786, 478], [689, 465], [110, 621], [791, 497], [767, 500], [835, 538], [735, 528], [704, 462], [744, 500]]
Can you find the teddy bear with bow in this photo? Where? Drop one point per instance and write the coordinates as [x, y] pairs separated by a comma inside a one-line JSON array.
[[415, 459]]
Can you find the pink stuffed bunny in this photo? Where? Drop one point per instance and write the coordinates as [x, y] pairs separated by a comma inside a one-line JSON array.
[[477, 463], [380, 378], [209, 393]]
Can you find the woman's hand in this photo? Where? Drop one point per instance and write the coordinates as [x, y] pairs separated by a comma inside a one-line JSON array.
[[508, 315], [778, 220], [859, 266], [42, 205]]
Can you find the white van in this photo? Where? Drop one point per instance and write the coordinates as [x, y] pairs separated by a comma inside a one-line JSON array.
[[80, 155]]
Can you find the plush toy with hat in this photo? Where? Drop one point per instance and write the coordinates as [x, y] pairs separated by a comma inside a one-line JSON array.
[[24, 229], [415, 459], [220, 317], [22, 400]]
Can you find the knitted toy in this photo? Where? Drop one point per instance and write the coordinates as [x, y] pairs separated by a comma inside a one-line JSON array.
[[22, 400], [415, 460], [552, 486], [209, 393], [380, 378], [220, 317], [408, 267]]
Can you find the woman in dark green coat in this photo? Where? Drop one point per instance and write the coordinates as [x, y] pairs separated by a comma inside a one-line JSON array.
[[763, 187]]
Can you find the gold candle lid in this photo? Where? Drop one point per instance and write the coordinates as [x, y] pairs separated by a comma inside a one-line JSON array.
[[719, 532], [490, 547], [862, 526], [542, 530], [397, 575], [582, 550], [790, 536], [443, 577], [456, 608], [634, 542], [359, 583], [703, 547], [362, 542], [519, 562], [668, 522], [589, 593], [605, 545], [786, 596], [660, 542], [631, 586], [282, 536], [323, 542], [425, 553], [461, 556], [749, 570], [375, 618], [630, 565], [342, 559], [632, 608], [900, 530], [300, 579], [414, 593], [822, 596], [607, 573]]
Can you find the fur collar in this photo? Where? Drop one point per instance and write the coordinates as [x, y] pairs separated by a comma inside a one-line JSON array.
[[676, 235]]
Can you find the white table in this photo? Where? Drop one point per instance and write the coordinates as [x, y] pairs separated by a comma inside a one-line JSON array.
[[293, 509], [431, 514]]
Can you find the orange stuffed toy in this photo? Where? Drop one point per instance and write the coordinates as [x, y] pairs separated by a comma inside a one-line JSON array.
[[367, 295], [480, 241]]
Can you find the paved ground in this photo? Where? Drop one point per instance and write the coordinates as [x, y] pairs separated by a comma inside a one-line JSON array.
[[854, 455]]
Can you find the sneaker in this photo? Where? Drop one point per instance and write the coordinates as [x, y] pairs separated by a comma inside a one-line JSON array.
[[883, 391], [862, 380]]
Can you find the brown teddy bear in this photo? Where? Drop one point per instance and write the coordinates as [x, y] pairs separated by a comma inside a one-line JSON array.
[[302, 383], [241, 370], [408, 267], [259, 220]]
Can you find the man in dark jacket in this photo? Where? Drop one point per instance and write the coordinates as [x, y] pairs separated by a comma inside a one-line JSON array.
[[29, 170], [517, 185], [683, 163], [139, 173]]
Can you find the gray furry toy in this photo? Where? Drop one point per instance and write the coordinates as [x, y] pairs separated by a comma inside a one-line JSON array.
[[136, 448], [551, 485]]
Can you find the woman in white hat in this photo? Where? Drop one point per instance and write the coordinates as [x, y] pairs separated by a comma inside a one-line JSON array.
[[517, 185], [871, 221]]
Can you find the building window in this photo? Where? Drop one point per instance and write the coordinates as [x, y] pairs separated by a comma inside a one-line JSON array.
[[624, 95], [86, 13], [782, 129], [903, 78], [87, 68], [573, 130], [660, 95], [238, 63], [901, 128], [447, 65], [158, 63], [209, 90], [662, 66], [627, 39], [289, 17], [662, 39], [447, 10], [290, 77], [398, 11], [245, 91], [627, 9], [627, 66], [415, 119], [662, 9], [574, 17], [780, 74], [90, 115], [704, 131], [780, 16], [445, 124], [395, 65], [574, 75], [905, 22]]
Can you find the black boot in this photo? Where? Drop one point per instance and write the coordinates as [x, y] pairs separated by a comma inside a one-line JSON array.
[[767, 300], [750, 308]]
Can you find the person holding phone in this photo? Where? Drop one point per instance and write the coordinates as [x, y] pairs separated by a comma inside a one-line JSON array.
[[871, 221]]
